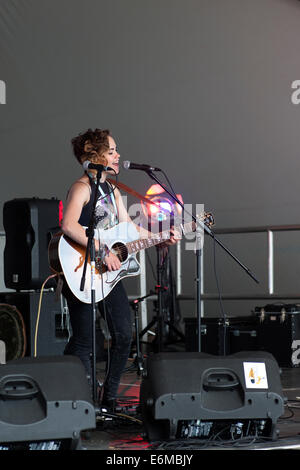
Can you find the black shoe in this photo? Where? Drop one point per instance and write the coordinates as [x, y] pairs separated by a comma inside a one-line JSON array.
[[109, 405], [106, 412]]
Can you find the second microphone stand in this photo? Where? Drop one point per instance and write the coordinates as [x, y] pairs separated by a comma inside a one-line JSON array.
[[200, 227]]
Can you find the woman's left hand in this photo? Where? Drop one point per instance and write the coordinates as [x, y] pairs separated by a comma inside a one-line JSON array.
[[174, 238]]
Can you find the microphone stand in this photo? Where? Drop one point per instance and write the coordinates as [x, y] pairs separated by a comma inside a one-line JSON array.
[[200, 225], [91, 252]]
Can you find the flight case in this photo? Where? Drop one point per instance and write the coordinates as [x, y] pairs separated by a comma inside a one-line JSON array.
[[279, 332]]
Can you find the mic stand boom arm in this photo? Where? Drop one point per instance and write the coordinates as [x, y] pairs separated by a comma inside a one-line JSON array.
[[207, 230]]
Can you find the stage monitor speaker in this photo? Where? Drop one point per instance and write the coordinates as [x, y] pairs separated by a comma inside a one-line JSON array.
[[45, 403], [28, 225], [197, 395], [53, 324]]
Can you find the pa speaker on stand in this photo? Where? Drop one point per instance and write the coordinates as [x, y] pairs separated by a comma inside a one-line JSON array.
[[28, 224]]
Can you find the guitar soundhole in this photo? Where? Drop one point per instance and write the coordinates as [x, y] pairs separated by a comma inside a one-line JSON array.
[[120, 250]]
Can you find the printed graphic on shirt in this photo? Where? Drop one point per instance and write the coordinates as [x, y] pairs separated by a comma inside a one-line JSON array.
[[105, 213]]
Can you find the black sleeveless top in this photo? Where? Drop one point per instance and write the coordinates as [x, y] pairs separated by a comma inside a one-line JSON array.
[[106, 208]]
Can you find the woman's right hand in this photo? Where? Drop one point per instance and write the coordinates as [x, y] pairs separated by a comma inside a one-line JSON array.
[[112, 262]]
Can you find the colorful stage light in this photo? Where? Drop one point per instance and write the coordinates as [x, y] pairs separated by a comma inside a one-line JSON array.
[[161, 207]]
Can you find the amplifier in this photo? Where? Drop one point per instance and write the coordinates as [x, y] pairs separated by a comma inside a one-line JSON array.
[[53, 324]]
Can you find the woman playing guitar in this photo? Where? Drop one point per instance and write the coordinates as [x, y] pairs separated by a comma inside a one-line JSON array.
[[99, 147]]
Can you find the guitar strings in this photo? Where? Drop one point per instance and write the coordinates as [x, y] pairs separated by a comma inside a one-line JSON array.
[[123, 250]]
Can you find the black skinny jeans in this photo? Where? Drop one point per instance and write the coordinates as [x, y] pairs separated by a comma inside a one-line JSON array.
[[118, 317]]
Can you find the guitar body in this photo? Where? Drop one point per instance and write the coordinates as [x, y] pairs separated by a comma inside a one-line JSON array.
[[67, 257]]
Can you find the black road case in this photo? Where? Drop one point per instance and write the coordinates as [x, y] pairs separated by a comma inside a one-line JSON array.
[[221, 336], [279, 332]]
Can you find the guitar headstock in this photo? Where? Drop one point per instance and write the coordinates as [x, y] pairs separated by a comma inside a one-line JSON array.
[[205, 217]]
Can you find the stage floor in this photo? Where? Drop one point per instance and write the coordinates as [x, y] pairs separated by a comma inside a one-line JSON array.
[[125, 430]]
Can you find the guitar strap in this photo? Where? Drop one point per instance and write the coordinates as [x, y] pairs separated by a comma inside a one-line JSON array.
[[131, 191], [207, 215]]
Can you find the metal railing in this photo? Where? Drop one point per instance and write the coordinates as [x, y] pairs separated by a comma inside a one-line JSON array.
[[270, 294]]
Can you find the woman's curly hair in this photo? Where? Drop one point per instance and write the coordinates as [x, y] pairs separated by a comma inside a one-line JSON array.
[[91, 145]]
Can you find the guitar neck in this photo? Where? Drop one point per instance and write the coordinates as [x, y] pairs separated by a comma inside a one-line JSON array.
[[143, 243]]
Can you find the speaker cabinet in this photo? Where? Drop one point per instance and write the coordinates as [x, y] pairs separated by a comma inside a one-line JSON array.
[[53, 329], [197, 395], [28, 225], [44, 404]]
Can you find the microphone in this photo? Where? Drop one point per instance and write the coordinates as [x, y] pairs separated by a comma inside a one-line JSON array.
[[137, 166], [87, 165]]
